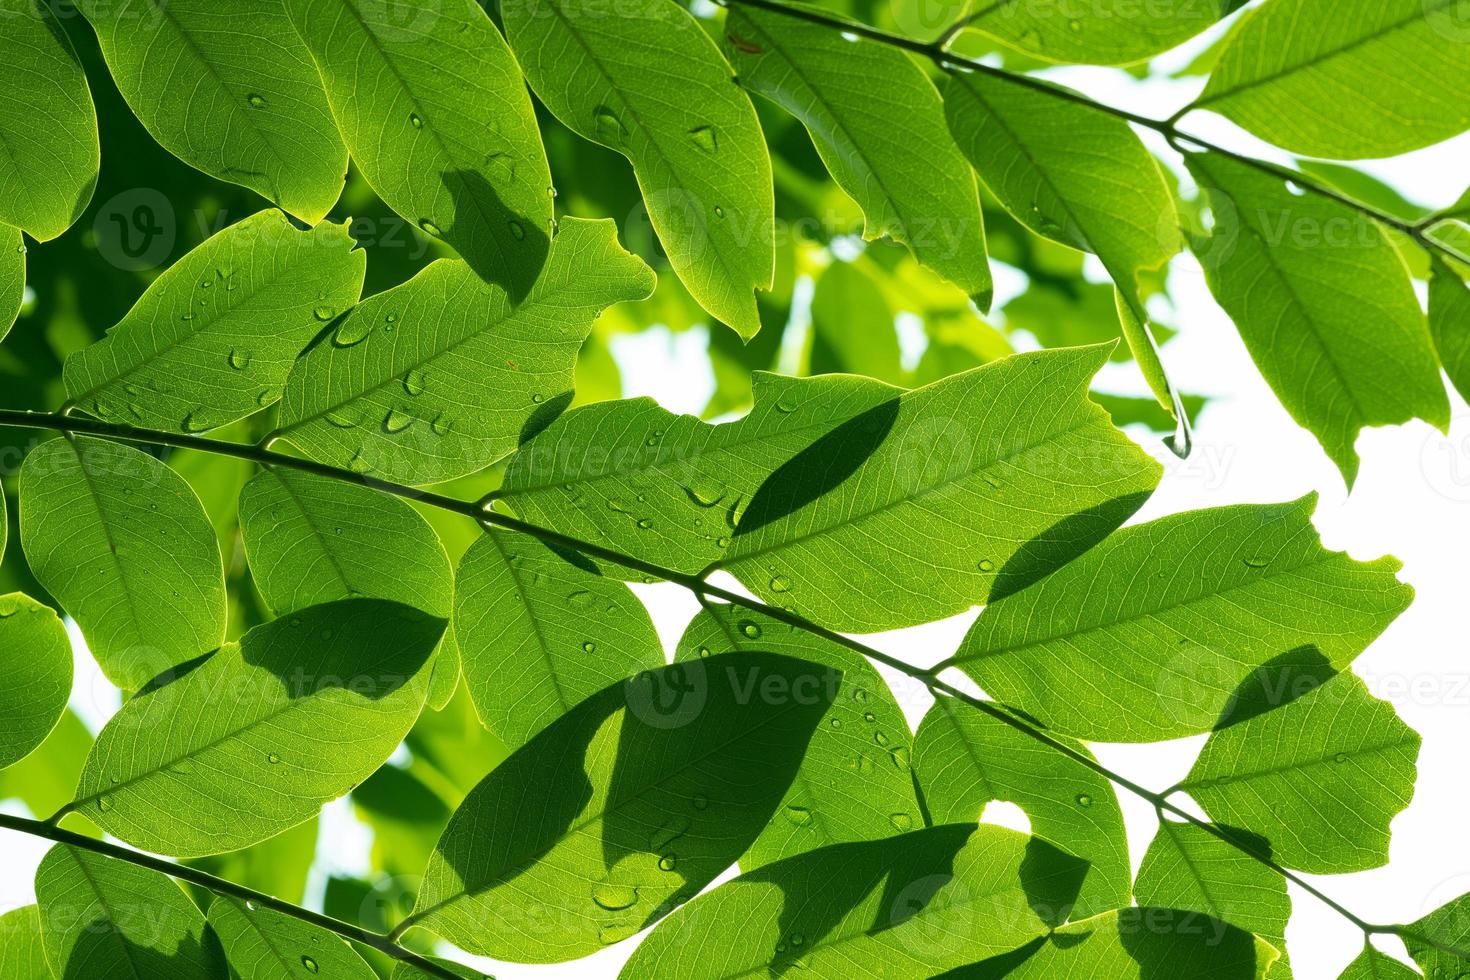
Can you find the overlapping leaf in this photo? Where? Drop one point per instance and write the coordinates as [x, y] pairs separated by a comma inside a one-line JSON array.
[[12, 276], [257, 737], [122, 542], [1102, 32], [854, 783], [36, 681], [1440, 941], [1290, 64], [878, 123], [623, 808], [22, 953], [1164, 627], [48, 126], [229, 89], [436, 114], [650, 84], [1373, 965], [1319, 778], [215, 335], [441, 376], [1323, 303], [1449, 324], [262, 944]]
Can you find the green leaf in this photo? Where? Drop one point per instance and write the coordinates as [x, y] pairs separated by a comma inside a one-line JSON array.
[[966, 759], [912, 906], [278, 866], [37, 680], [48, 126], [878, 123], [1165, 628], [650, 84], [12, 276], [542, 631], [437, 117], [1449, 324], [623, 808], [1137, 944], [1289, 65], [1440, 941], [1373, 965], [258, 736], [855, 782], [1319, 777], [1324, 304], [852, 326], [1187, 867], [311, 540], [404, 971], [215, 335], [124, 545], [22, 953], [440, 377], [406, 817], [231, 91], [1102, 32], [45, 780], [262, 944], [947, 496], [101, 917]]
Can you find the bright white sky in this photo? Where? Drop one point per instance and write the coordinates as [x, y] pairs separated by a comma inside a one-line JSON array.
[[1412, 500]]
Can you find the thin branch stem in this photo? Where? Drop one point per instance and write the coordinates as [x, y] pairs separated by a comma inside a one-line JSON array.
[[220, 886], [697, 584]]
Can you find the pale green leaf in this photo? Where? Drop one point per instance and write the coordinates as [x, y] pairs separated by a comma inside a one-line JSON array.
[[1440, 941], [854, 782], [649, 83], [257, 737], [311, 540], [1324, 304], [1165, 627], [1373, 965], [278, 866], [49, 152], [1449, 324], [12, 276], [101, 917], [215, 335], [404, 971], [45, 780], [22, 953], [878, 123], [437, 117], [623, 808], [406, 816], [230, 90], [542, 631], [965, 759], [440, 376], [912, 906], [1137, 944], [852, 326], [1319, 777], [1100, 32], [1187, 867], [36, 680], [123, 544], [1291, 67], [262, 944], [947, 496]]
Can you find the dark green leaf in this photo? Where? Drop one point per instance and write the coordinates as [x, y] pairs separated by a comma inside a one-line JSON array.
[[12, 276], [1449, 324], [37, 680]]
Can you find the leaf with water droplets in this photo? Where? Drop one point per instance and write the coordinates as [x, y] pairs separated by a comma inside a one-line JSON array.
[[1319, 777], [310, 540], [541, 631], [966, 759], [1100, 32], [329, 692], [101, 917], [12, 276], [892, 152], [485, 364], [700, 159], [686, 762], [252, 291], [436, 114], [1169, 628], [914, 905], [48, 124], [36, 682], [125, 547], [262, 944], [22, 951], [228, 89], [849, 787]]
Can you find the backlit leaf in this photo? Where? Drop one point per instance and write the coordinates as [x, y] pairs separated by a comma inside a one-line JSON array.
[[12, 276], [22, 954], [36, 680], [1101, 32], [1449, 324], [1440, 941], [262, 944]]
